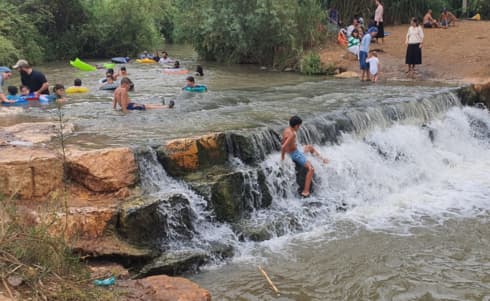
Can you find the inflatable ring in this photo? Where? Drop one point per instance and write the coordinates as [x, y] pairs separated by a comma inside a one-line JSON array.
[[30, 97], [18, 100], [120, 60], [175, 71], [146, 61], [109, 87], [76, 89], [196, 88], [46, 98], [109, 65], [81, 65]]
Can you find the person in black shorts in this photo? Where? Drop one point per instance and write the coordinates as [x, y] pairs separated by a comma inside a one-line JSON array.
[[35, 80]]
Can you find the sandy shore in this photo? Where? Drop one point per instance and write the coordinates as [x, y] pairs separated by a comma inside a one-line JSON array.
[[458, 54]]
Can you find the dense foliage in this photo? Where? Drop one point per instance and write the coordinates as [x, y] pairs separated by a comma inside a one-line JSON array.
[[400, 11], [271, 32], [261, 31]]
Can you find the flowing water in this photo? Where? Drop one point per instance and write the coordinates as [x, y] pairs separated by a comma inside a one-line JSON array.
[[400, 213]]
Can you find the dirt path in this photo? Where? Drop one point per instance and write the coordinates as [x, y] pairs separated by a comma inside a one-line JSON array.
[[458, 54]]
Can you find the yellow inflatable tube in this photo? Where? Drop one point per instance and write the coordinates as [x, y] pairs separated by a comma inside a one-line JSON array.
[[146, 61], [76, 89]]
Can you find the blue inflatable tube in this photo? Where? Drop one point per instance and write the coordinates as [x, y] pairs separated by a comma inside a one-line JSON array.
[[19, 100], [196, 88], [120, 60]]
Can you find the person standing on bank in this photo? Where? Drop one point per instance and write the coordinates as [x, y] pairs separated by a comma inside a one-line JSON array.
[[290, 146], [414, 41], [378, 19], [35, 80]]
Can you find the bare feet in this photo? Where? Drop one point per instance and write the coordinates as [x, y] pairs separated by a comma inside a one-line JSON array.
[[305, 195]]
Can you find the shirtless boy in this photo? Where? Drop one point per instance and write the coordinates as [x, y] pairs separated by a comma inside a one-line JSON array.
[[289, 145], [121, 98], [430, 22]]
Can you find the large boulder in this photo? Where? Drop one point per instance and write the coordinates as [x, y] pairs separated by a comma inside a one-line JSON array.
[[34, 132], [29, 173], [162, 288], [104, 170], [174, 263], [232, 194], [182, 156], [476, 93], [253, 147], [150, 221]]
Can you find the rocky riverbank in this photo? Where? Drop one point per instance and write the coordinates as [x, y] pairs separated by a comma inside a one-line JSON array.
[[96, 200]]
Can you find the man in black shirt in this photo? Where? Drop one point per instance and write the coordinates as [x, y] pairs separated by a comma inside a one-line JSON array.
[[35, 80]]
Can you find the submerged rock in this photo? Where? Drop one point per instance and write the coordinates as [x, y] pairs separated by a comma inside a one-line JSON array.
[[104, 170], [29, 173], [150, 221], [174, 263], [34, 132]]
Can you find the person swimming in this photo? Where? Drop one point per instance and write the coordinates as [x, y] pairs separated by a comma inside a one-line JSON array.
[[121, 98]]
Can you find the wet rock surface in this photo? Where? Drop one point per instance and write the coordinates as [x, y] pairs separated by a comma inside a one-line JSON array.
[[174, 263], [149, 221]]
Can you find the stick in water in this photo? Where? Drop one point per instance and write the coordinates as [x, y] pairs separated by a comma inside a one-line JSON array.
[[268, 280]]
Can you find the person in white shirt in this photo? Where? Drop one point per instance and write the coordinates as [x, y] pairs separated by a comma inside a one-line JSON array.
[[414, 41], [165, 59], [378, 19], [351, 27], [374, 65]]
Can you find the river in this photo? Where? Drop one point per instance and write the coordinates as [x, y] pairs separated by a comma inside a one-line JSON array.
[[400, 213]]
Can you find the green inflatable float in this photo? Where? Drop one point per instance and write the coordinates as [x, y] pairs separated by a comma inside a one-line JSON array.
[[79, 64]]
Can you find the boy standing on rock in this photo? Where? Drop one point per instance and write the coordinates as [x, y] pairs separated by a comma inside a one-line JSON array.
[[289, 145]]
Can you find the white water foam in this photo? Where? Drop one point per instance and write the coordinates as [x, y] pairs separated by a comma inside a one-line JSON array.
[[390, 180]]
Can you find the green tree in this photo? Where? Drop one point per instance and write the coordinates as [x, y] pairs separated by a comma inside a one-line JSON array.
[[272, 32], [18, 36]]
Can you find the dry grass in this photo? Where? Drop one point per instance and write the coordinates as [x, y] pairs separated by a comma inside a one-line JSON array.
[[43, 263]]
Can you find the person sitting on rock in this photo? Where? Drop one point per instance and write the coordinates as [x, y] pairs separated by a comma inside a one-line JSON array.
[[121, 98], [290, 146]]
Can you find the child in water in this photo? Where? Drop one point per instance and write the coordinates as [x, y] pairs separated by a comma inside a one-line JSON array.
[[59, 92], [199, 71], [374, 65]]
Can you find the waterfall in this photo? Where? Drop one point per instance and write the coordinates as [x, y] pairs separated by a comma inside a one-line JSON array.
[[392, 166], [155, 182]]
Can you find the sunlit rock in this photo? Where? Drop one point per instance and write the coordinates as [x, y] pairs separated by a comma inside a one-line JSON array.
[[104, 170], [182, 156], [162, 288], [29, 173]]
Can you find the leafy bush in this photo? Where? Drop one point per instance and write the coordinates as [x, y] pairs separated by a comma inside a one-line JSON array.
[[18, 36], [259, 31], [311, 64]]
